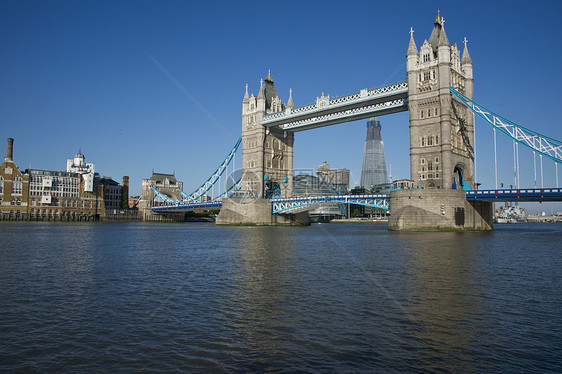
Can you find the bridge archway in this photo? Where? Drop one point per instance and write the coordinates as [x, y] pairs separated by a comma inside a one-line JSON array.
[[458, 177], [272, 190]]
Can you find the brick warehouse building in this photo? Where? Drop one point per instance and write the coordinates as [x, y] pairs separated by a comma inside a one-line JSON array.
[[76, 194]]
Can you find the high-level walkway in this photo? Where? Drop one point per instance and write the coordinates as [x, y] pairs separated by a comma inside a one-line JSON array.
[[327, 111]]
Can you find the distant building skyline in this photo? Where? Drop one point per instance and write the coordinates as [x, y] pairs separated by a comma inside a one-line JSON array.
[[373, 172]]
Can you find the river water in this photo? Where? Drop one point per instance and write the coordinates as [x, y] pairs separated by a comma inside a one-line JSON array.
[[195, 297]]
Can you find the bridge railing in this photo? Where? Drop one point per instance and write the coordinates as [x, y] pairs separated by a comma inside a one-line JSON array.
[[366, 94], [521, 194]]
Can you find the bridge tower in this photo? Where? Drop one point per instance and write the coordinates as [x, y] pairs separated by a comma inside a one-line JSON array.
[[441, 141], [267, 154], [441, 130]]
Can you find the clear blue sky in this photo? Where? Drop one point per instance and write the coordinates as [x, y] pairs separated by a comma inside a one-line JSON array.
[[82, 75]]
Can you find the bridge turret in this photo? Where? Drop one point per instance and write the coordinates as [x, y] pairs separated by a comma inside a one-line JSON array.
[[466, 66], [441, 134], [267, 154], [290, 103], [246, 101]]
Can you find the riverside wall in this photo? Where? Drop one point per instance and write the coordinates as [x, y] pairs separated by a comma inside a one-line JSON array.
[[438, 210], [250, 211]]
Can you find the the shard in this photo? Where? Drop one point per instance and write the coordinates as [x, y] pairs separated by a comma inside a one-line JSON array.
[[374, 164]]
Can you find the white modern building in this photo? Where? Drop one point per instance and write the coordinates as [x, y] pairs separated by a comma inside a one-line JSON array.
[[85, 169]]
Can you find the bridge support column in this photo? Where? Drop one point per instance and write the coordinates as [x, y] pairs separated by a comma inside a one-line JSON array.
[[438, 210], [250, 211]]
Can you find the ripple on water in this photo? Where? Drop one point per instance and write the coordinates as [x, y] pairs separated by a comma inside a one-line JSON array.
[[328, 298]]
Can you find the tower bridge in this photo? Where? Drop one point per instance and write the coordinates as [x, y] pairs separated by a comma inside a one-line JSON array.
[[438, 94]]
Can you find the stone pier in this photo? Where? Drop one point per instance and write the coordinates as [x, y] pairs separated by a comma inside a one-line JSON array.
[[255, 211], [438, 210]]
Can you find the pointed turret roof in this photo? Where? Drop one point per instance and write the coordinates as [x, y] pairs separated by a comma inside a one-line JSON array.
[[438, 35], [443, 40], [267, 90], [246, 96], [261, 93], [412, 49], [465, 55], [290, 103]]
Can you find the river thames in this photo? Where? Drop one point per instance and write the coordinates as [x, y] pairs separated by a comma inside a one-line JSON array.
[[195, 297]]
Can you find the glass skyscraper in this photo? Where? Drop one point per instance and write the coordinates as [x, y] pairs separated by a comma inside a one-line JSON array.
[[374, 164]]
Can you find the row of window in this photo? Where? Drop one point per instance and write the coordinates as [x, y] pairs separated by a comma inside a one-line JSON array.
[[429, 140], [426, 75], [277, 145], [14, 201], [65, 203], [54, 193], [429, 175], [275, 162], [428, 113], [423, 161], [34, 212], [429, 168], [54, 180]]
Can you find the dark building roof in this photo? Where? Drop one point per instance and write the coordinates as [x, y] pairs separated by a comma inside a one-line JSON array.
[[107, 181], [438, 35], [161, 176], [268, 91]]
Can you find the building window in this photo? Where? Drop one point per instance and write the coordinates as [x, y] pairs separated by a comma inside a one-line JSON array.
[[17, 186], [1, 185], [436, 139], [422, 161], [433, 74]]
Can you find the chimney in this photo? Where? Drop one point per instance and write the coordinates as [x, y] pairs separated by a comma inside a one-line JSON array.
[[10, 152], [125, 193]]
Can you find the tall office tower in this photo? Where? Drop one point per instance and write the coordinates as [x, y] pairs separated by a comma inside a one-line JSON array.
[[374, 164]]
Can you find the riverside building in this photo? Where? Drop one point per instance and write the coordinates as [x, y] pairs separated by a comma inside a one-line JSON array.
[[14, 188], [77, 194]]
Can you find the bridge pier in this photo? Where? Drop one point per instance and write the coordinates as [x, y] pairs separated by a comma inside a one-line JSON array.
[[438, 210], [255, 211]]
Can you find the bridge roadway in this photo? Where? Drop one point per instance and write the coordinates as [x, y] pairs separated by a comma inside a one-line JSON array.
[[299, 204], [366, 103]]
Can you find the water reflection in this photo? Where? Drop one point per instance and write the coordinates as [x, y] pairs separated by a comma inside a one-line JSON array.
[[445, 298], [256, 310]]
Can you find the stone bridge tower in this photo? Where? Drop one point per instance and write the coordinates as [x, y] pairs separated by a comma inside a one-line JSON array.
[[441, 128], [267, 154]]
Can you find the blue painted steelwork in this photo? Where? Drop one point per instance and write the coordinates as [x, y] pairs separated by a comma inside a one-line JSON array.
[[544, 145], [196, 195], [299, 204], [187, 206], [164, 197], [235, 186], [523, 194]]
